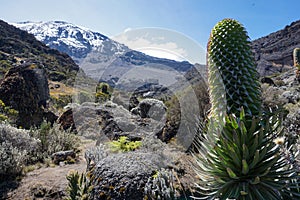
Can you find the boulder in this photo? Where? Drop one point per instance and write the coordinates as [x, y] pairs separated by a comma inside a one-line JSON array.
[[63, 156], [150, 108], [25, 89], [123, 99], [124, 175], [267, 80]]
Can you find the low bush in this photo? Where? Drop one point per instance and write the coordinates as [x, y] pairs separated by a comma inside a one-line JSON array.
[[123, 144], [17, 149], [20, 148], [53, 139]]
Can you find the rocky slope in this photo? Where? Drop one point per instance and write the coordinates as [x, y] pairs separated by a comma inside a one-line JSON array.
[[273, 53], [17, 47]]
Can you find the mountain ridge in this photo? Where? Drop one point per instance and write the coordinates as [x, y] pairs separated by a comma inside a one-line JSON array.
[[273, 52], [76, 41]]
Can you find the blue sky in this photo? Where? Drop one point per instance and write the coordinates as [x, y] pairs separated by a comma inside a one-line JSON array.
[[193, 18]]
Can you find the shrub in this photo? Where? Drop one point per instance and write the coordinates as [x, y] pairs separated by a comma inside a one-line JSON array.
[[61, 101], [17, 149], [123, 145], [7, 113], [53, 139], [103, 92], [94, 155], [12, 160]]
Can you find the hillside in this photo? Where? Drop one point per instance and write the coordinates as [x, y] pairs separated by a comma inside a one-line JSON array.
[[18, 46], [273, 53]]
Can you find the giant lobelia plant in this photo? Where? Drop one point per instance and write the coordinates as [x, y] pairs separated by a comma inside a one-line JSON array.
[[237, 157], [296, 56]]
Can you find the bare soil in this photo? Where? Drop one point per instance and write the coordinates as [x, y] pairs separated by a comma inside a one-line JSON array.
[[47, 183]]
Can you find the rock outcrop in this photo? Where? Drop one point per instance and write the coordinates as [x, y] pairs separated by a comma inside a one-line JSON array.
[[274, 52], [108, 121], [25, 89]]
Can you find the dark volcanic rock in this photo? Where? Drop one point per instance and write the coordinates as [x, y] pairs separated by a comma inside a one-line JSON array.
[[109, 122], [66, 120], [124, 175], [63, 156], [274, 53], [25, 89]]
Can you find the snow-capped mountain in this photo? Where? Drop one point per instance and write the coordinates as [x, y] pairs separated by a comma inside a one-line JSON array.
[[74, 40], [104, 59]]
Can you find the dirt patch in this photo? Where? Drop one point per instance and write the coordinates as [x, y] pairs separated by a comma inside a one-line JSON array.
[[48, 183]]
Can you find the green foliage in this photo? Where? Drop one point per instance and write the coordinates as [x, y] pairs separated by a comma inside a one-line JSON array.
[[53, 139], [12, 160], [61, 101], [233, 79], [239, 154], [79, 186], [245, 162], [103, 92], [296, 55], [101, 97], [124, 145], [17, 149], [7, 113], [5, 65]]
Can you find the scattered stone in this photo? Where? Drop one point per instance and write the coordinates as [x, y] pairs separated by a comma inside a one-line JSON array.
[[268, 81], [63, 156]]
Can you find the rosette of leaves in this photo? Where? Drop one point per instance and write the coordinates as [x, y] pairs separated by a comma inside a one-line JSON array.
[[236, 154], [245, 163], [79, 186]]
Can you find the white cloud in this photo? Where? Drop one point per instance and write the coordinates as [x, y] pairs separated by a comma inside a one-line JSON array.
[[162, 43], [153, 46], [162, 53]]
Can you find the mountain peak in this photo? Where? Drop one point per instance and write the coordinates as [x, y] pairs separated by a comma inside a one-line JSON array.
[[74, 40]]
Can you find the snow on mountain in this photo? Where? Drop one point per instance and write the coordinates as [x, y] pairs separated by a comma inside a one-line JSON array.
[[104, 59], [74, 40]]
